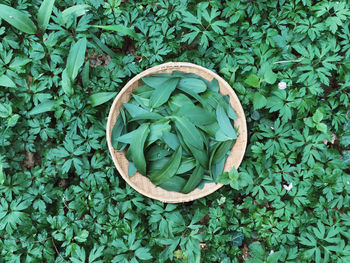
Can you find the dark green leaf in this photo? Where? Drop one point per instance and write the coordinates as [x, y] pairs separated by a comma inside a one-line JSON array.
[[187, 164], [118, 129], [195, 178], [171, 140], [120, 29], [175, 183], [169, 169], [137, 147]]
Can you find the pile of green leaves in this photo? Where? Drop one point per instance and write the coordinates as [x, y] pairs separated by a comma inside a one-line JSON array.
[[179, 142], [61, 198]]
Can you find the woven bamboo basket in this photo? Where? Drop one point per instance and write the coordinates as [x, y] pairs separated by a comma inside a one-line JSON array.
[[141, 183]]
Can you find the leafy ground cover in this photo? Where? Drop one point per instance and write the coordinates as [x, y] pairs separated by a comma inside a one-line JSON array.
[[61, 199]]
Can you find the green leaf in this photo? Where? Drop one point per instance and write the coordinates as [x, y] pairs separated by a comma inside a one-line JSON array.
[[137, 147], [186, 165], [44, 13], [318, 116], [156, 131], [200, 155], [195, 178], [132, 169], [102, 97], [259, 101], [156, 81], [222, 151], [17, 19], [82, 236], [2, 175], [135, 110], [162, 93], [321, 127], [126, 138], [194, 84], [120, 29], [175, 183], [67, 83], [85, 75], [76, 10], [5, 110], [45, 106], [118, 129], [169, 169], [148, 116], [12, 121], [225, 123], [5, 81], [253, 81], [76, 57], [143, 253], [269, 76], [171, 140], [177, 101], [189, 132], [196, 114]]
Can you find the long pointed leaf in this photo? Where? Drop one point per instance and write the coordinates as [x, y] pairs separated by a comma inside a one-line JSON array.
[[17, 19], [137, 147], [162, 93], [44, 13], [169, 169], [76, 58], [194, 180], [189, 132]]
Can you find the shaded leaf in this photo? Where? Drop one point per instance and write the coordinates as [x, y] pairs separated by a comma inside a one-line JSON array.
[[175, 183], [137, 147], [195, 178], [120, 29], [169, 168]]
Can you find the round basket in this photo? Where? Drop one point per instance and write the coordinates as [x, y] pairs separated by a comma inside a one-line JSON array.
[[141, 183]]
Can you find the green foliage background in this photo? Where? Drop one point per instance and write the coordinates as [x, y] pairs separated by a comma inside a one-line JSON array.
[[66, 201]]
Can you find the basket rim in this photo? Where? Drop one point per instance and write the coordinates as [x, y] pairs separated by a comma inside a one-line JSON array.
[[182, 197]]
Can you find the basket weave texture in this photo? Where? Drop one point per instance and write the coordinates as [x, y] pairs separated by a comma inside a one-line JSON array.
[[141, 183]]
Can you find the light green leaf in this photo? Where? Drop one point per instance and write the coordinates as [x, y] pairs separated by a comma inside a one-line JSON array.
[[196, 114], [195, 85], [143, 253], [12, 121], [5, 110], [162, 93], [253, 81], [225, 123], [120, 29], [5, 81], [76, 58], [44, 13], [269, 76], [67, 83], [2, 175], [77, 10], [102, 97], [259, 101], [178, 100], [45, 106], [17, 19]]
